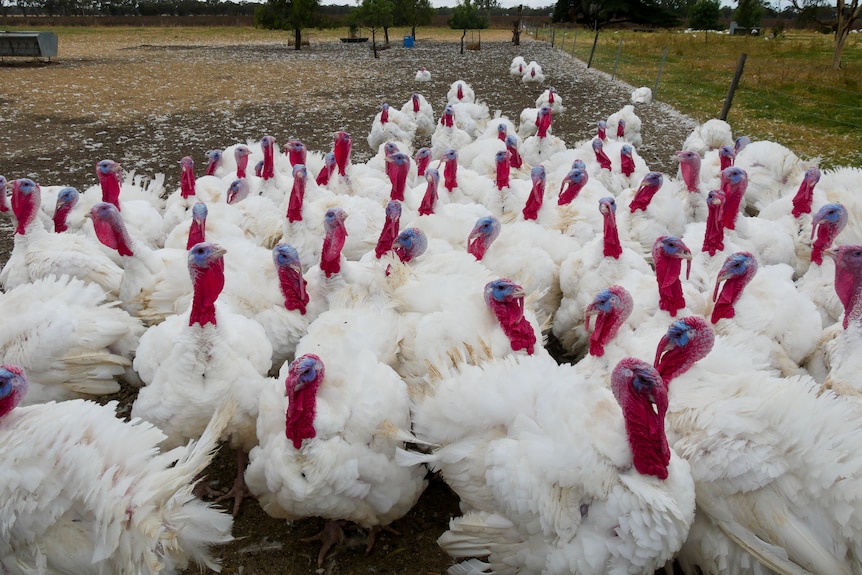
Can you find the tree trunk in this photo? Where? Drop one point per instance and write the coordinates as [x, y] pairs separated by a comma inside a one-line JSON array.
[[386, 35], [413, 31], [297, 38], [846, 17], [462, 40], [374, 41]]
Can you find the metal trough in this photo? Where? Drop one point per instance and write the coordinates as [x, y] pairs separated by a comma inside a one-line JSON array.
[[28, 44]]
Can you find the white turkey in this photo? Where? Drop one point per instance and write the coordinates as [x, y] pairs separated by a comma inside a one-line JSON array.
[[423, 75], [391, 124], [753, 308], [83, 491], [544, 144], [642, 95], [552, 99], [71, 342], [543, 491], [328, 433], [140, 201], [709, 136], [192, 362], [460, 91], [516, 68], [448, 134], [155, 283], [839, 342], [626, 125], [533, 73], [420, 111], [818, 283], [512, 251], [38, 253], [773, 461]]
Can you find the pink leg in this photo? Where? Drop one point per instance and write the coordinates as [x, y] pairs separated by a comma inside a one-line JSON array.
[[332, 533], [239, 490]]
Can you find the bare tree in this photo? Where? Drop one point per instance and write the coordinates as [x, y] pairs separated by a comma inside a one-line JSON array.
[[846, 14]]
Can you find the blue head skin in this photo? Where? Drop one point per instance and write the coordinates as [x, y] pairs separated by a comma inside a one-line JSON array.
[[285, 255], [13, 388], [483, 235], [410, 244]]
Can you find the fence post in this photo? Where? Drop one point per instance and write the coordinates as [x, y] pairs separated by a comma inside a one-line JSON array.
[[593, 51], [574, 41], [553, 36], [617, 60], [660, 66], [736, 75], [563, 43]]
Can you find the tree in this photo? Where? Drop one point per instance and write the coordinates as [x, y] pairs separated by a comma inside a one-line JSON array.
[[846, 13], [288, 15], [467, 16], [412, 13], [600, 13], [705, 15], [748, 13], [374, 14]]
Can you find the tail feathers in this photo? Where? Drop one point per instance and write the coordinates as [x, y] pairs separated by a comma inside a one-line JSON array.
[[763, 525], [484, 534], [469, 567]]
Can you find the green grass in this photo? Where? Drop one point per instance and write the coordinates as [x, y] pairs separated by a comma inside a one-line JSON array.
[[787, 91]]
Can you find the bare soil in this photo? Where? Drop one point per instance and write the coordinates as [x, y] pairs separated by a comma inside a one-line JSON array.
[[146, 98]]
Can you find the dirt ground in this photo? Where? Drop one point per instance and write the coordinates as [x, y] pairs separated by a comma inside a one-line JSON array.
[[146, 98]]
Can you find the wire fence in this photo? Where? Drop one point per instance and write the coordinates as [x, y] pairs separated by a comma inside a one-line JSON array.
[[787, 82]]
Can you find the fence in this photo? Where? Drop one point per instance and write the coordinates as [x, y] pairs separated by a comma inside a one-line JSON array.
[[784, 88]]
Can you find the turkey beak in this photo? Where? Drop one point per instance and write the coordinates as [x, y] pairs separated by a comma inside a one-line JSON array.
[[218, 251], [664, 345], [686, 255], [814, 222], [591, 311], [832, 253], [724, 275]]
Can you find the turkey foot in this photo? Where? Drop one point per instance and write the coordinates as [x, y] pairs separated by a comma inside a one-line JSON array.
[[374, 532], [240, 490], [331, 534]]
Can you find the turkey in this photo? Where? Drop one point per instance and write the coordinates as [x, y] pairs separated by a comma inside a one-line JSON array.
[[552, 99], [543, 145], [770, 457], [533, 73], [193, 361], [709, 136], [71, 342], [448, 134], [155, 283], [542, 491], [83, 491], [423, 75], [38, 253], [626, 125], [839, 342], [818, 283], [328, 436], [421, 112], [257, 216], [142, 205], [642, 95], [746, 294], [391, 124], [516, 68], [513, 251], [600, 263]]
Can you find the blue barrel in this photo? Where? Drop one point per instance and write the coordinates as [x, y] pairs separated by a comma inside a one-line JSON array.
[[408, 41]]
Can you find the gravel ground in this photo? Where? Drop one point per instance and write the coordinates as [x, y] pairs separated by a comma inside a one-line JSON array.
[[148, 98]]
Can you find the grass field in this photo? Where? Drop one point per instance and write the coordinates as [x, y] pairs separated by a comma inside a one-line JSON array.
[[787, 91]]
